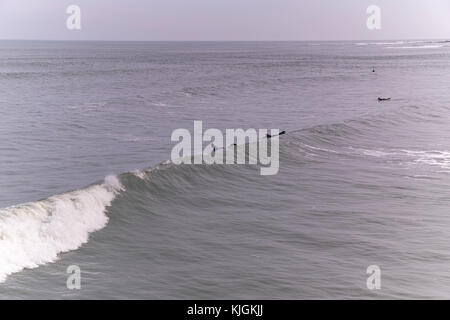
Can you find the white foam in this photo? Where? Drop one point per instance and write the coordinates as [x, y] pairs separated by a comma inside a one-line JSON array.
[[376, 153], [414, 44], [321, 149], [431, 46], [439, 158], [392, 43], [380, 43], [160, 104], [34, 234], [89, 105], [433, 157], [139, 173]]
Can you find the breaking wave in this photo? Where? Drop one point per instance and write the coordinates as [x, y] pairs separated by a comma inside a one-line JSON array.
[[36, 233]]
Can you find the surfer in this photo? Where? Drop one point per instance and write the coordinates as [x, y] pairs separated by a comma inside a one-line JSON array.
[[383, 99], [281, 133]]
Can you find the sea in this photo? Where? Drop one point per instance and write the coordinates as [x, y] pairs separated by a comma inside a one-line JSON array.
[[87, 182]]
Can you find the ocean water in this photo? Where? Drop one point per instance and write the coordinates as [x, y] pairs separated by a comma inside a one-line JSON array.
[[84, 179]]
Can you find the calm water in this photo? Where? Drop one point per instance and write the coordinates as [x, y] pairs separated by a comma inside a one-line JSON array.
[[361, 182]]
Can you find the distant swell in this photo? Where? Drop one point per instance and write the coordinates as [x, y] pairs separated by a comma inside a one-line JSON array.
[[35, 233], [416, 44], [419, 47]]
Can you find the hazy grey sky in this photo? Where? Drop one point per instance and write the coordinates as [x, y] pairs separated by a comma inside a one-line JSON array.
[[224, 19]]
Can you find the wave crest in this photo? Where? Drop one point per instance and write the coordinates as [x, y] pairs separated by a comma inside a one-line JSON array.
[[35, 233]]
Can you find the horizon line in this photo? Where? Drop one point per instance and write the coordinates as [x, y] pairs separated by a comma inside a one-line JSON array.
[[305, 40]]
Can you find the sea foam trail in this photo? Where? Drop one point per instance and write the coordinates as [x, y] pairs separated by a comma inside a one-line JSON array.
[[35, 233]]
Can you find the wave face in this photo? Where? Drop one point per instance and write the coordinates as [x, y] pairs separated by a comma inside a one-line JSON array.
[[36, 233]]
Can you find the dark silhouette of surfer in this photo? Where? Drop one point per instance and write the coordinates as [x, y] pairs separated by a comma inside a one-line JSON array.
[[270, 136], [383, 99]]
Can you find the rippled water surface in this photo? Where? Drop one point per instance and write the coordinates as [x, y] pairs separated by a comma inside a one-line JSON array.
[[361, 182]]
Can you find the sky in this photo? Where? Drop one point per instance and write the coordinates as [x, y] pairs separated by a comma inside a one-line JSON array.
[[224, 20]]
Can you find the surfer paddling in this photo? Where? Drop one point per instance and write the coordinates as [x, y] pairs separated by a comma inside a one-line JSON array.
[[270, 136]]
